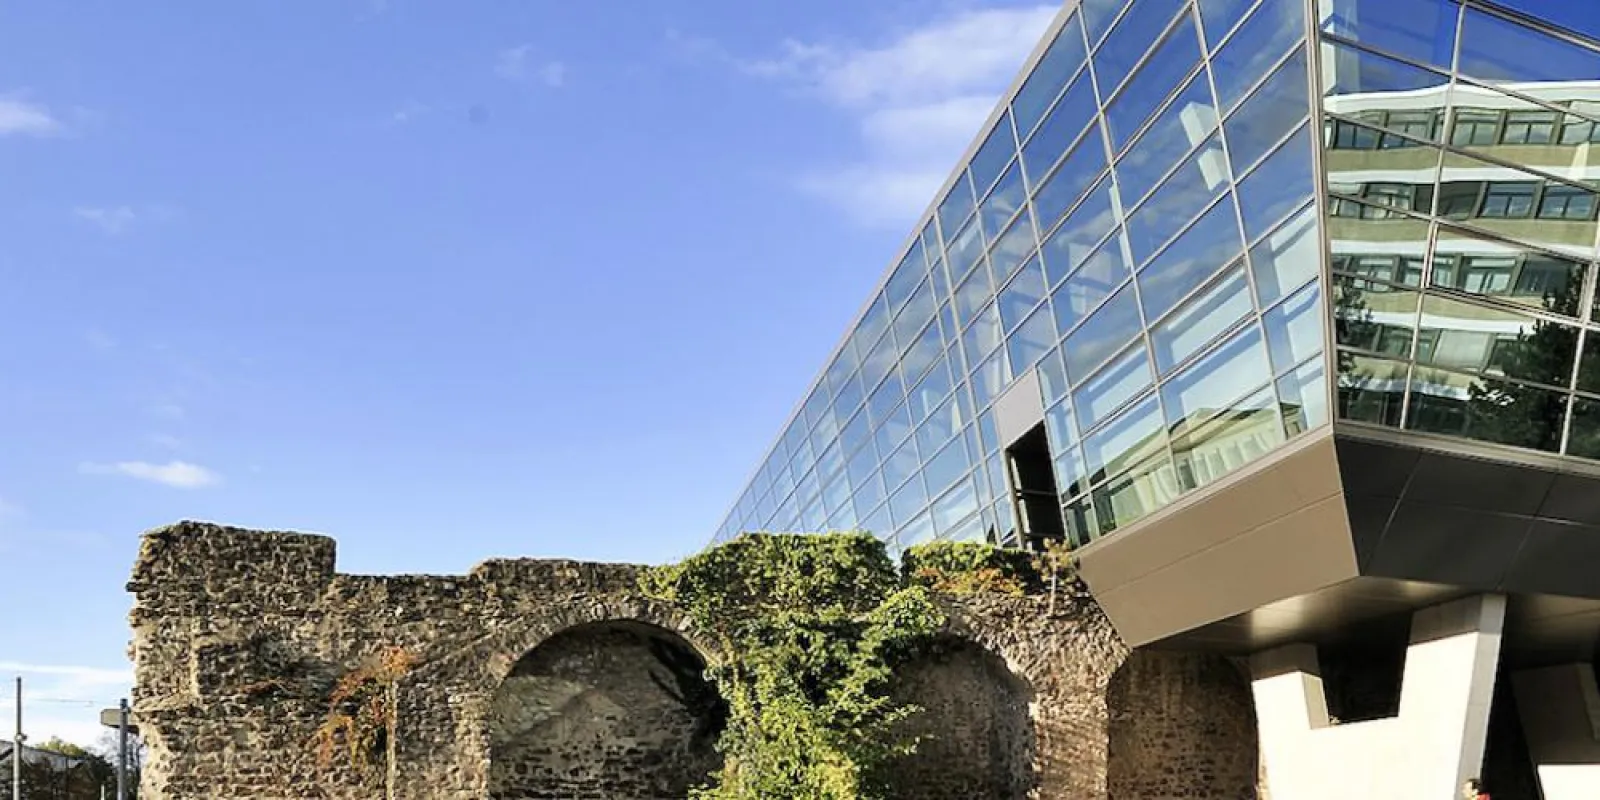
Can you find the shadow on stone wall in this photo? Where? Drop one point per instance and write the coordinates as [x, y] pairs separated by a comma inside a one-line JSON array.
[[1181, 725], [980, 738], [614, 710]]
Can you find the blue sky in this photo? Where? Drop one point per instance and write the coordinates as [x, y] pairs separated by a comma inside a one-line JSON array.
[[446, 281]]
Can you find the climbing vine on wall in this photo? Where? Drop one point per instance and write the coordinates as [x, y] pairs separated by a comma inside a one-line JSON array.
[[814, 626], [361, 718]]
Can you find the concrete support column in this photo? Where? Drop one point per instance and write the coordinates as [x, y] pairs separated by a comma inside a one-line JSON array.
[[1435, 742], [1560, 712]]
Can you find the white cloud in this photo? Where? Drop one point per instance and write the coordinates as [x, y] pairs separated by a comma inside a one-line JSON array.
[[409, 112], [115, 220], [64, 701], [517, 64], [177, 474], [918, 100], [21, 118]]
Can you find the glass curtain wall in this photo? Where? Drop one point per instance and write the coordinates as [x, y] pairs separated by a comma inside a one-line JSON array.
[[1138, 227], [1461, 176]]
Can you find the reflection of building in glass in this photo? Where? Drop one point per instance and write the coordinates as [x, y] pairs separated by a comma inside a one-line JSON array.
[[1115, 324]]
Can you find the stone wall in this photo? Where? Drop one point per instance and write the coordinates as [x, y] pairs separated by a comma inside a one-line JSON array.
[[544, 679]]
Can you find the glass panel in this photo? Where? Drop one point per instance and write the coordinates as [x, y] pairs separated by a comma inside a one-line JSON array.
[[1052, 377], [1304, 398], [965, 250], [1100, 275], [1029, 342], [930, 392], [1495, 49], [1360, 83], [1201, 320], [990, 379], [855, 433], [1282, 183], [993, 155], [1294, 329], [1180, 127], [1507, 273], [1223, 444], [1190, 189], [1219, 16], [872, 325], [1112, 387], [1000, 206], [1102, 334], [959, 503], [1098, 16], [1060, 428], [1371, 389], [1076, 174], [984, 335], [1077, 238], [1485, 409], [905, 278], [1374, 316], [900, 465], [1130, 40], [1196, 255], [1468, 337], [1015, 246], [1072, 474], [1423, 30], [879, 362], [924, 350], [1265, 37], [1209, 386], [918, 312], [971, 295], [1129, 497], [907, 501], [1154, 81], [1268, 115], [1134, 436], [1057, 66], [946, 466], [941, 426], [1020, 296], [957, 204], [1065, 124], [1584, 437], [1081, 524], [1589, 365]]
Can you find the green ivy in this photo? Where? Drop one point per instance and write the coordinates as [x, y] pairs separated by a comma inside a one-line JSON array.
[[812, 626], [970, 568]]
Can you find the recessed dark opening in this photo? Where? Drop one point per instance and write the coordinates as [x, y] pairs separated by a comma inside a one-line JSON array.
[[1033, 488]]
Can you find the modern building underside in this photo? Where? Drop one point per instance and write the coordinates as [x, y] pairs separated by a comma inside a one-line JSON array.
[[1280, 312]]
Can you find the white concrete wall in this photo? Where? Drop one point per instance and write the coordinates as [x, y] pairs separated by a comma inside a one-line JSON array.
[[1560, 712], [1427, 751]]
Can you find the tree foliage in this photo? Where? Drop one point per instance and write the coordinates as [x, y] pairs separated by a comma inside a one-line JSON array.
[[969, 568], [811, 627]]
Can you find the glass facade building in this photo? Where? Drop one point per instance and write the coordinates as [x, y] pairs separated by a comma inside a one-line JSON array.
[[1196, 231]]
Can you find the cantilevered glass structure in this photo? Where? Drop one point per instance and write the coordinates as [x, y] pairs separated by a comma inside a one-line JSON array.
[[1115, 300]]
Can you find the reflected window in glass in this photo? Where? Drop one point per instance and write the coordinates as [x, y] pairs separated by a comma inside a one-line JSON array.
[[1071, 472], [905, 504], [941, 427], [901, 464], [1163, 72], [1281, 184], [1560, 201], [1509, 200], [929, 393], [1185, 123], [1067, 121], [1507, 272], [1131, 39], [1201, 320], [1475, 127], [1294, 329], [905, 277], [879, 363], [1468, 337], [1288, 257], [1184, 195], [1058, 64], [1197, 254], [947, 465], [1103, 333], [1373, 316], [872, 325], [1485, 409], [1111, 388], [1209, 386], [1303, 397], [1268, 115], [918, 312], [1422, 30], [1251, 428], [1371, 389], [1270, 32], [923, 352], [881, 403], [1530, 127]]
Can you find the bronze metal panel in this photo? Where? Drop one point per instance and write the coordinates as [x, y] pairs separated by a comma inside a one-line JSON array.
[[1290, 556]]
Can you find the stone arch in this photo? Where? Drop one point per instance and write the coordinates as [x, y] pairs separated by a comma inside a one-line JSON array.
[[611, 708], [978, 723], [1181, 725]]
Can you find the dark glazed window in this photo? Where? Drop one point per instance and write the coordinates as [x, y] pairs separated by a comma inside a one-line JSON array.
[[1475, 127], [1560, 201], [1501, 412], [1530, 127], [1509, 200]]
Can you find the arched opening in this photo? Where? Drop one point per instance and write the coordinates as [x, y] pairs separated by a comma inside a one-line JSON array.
[[608, 711], [978, 733], [1181, 725]]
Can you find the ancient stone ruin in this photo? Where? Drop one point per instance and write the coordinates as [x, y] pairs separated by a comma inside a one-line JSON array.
[[558, 679]]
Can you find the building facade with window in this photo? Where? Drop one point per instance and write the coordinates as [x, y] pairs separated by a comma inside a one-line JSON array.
[[1283, 313]]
